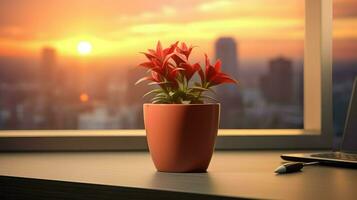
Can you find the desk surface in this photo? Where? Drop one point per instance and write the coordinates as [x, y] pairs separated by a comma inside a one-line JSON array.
[[239, 174]]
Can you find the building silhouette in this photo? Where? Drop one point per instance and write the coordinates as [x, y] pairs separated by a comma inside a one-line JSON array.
[[47, 88], [228, 94], [226, 51], [278, 84], [134, 98]]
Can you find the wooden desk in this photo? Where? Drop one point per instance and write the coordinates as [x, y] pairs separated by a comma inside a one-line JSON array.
[[131, 175]]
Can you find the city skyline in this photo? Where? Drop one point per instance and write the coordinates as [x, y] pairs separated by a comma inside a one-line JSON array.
[[80, 98]]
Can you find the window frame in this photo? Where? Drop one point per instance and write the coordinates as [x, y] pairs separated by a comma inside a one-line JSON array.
[[318, 126]]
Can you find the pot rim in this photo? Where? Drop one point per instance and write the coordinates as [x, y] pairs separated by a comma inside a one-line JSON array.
[[203, 104]]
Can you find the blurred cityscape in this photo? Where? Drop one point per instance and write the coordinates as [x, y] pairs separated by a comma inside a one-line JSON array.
[[49, 96], [46, 95]]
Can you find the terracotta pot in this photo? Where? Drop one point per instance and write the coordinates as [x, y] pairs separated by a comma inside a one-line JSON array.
[[181, 137]]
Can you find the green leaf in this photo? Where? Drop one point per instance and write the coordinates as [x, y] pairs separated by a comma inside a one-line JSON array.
[[160, 98], [186, 102], [191, 96], [162, 95], [141, 80], [177, 95], [157, 98], [158, 101], [153, 92], [159, 83], [185, 82], [171, 93]]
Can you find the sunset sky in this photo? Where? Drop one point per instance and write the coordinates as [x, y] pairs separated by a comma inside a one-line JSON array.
[[116, 28]]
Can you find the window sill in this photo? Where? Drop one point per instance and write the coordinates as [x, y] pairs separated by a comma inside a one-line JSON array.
[[140, 133], [112, 140]]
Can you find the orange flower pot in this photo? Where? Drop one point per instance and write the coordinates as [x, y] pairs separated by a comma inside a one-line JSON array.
[[181, 137]]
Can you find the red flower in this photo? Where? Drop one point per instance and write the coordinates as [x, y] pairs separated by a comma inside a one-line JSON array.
[[213, 75], [172, 75], [160, 54], [190, 70], [158, 60], [171, 71], [184, 50], [166, 72], [181, 60], [159, 63]]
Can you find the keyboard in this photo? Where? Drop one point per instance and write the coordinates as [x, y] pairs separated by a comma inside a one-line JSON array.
[[337, 156]]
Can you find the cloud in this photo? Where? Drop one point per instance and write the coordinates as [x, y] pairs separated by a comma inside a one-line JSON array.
[[148, 29], [215, 5], [165, 10], [248, 28], [15, 33], [168, 10]]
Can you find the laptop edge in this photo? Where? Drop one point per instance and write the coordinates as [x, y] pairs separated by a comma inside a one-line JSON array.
[[347, 136]]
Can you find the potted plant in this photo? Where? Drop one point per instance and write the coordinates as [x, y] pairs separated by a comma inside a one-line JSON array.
[[181, 128]]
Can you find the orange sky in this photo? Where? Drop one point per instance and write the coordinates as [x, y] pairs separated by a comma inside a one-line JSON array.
[[116, 28]]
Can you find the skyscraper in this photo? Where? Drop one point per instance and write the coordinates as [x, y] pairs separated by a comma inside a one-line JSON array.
[[226, 51], [134, 99], [228, 94], [277, 85], [47, 87]]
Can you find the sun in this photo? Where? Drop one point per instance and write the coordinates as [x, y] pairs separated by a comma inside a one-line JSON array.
[[83, 97], [84, 47]]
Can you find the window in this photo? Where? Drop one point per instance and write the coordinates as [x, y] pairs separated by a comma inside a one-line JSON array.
[[76, 69], [345, 60]]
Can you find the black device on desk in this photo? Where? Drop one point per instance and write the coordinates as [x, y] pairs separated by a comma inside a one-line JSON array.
[[347, 155]]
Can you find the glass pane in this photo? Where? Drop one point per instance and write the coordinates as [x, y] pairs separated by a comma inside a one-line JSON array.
[[345, 58], [68, 64]]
